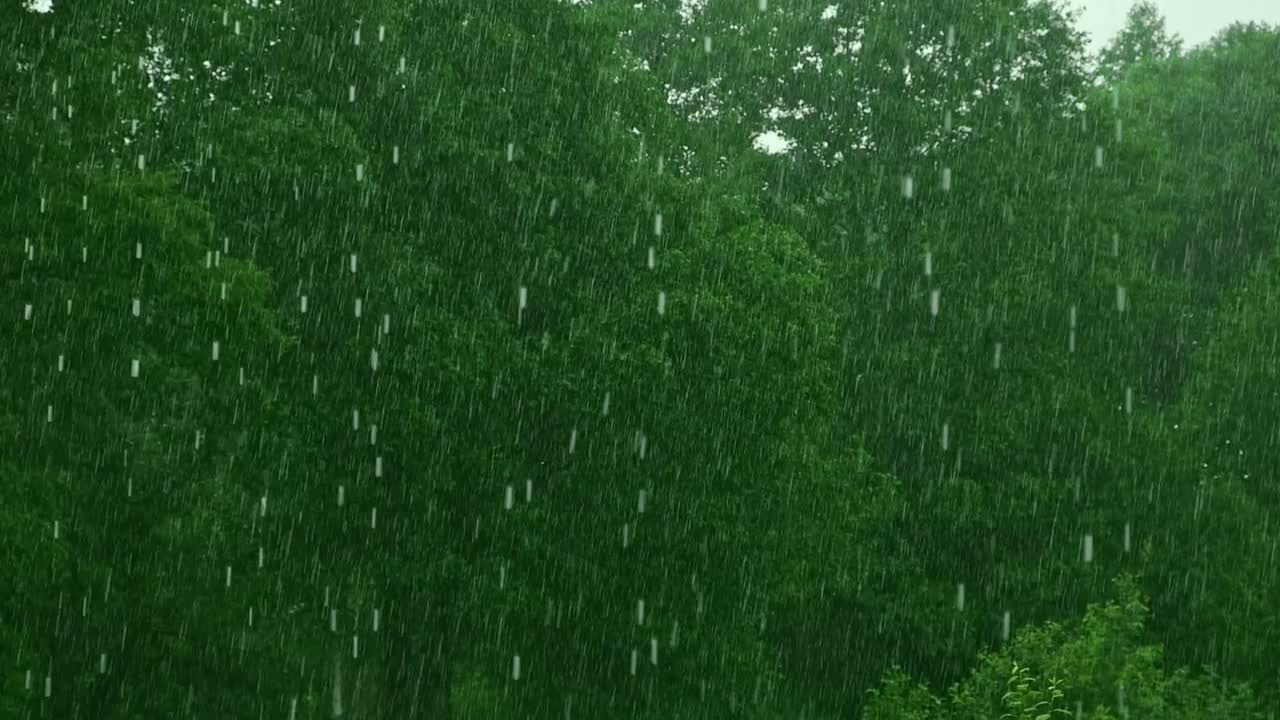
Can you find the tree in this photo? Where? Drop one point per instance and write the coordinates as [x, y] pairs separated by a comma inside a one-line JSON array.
[[1143, 38], [1100, 664]]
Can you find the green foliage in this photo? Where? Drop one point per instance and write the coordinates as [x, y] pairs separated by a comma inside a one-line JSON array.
[[354, 352], [1144, 38], [1100, 666]]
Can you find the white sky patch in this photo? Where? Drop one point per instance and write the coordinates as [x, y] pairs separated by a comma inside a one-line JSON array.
[[699, 103], [40, 6], [830, 12], [689, 8], [772, 142], [1196, 21]]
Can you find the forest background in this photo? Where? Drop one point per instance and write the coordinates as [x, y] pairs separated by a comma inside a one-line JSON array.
[[466, 358]]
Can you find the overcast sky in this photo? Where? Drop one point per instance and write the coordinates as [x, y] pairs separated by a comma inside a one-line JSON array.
[[1194, 20]]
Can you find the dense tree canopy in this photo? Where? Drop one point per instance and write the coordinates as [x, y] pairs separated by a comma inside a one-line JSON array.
[[470, 358]]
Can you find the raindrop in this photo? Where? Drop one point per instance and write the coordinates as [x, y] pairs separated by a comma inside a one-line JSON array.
[[1071, 337], [960, 597], [951, 36], [653, 651], [946, 179], [56, 529], [355, 647], [908, 187], [142, 162], [515, 668], [626, 535], [395, 155], [928, 264], [342, 496], [573, 440], [377, 619], [1088, 548], [401, 63], [510, 499], [62, 363], [262, 557], [137, 307], [359, 173], [604, 410], [635, 656], [359, 302], [377, 466], [662, 303], [356, 37], [511, 152], [1128, 401], [373, 360], [946, 435], [228, 576], [652, 257], [935, 296], [1097, 157], [640, 502], [640, 611], [373, 518], [102, 664], [353, 262], [764, 5], [657, 224], [303, 304], [382, 33], [528, 490], [26, 312], [355, 419], [1005, 626], [706, 44], [1121, 299], [1128, 536], [133, 370]]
